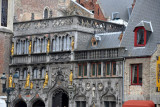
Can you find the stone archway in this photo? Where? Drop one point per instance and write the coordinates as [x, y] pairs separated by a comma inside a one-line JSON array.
[[20, 103], [60, 98], [38, 103]]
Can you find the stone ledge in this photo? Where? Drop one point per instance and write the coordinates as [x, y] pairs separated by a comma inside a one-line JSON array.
[[5, 30]]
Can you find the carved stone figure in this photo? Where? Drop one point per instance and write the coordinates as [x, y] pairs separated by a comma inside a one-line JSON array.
[[72, 44], [71, 78], [12, 49], [100, 86], [93, 90], [88, 86], [10, 81], [27, 81], [30, 47], [46, 80], [48, 46]]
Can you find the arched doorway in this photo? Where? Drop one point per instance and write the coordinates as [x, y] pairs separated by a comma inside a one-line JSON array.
[[60, 98], [21, 104], [38, 103]]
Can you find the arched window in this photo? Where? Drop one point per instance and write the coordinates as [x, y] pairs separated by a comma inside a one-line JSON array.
[[42, 74], [57, 43], [36, 73], [24, 73], [34, 46], [4, 13], [68, 43], [18, 47], [44, 45], [53, 45], [60, 43], [18, 71], [64, 44], [45, 13]]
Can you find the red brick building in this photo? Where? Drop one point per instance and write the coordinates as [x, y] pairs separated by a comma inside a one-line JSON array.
[[93, 6]]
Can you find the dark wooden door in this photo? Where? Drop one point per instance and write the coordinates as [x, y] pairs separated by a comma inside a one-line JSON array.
[[60, 100]]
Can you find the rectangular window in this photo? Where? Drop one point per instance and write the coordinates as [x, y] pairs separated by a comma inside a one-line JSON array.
[[4, 11], [99, 69], [113, 68], [107, 69], [80, 103], [140, 36], [136, 74], [85, 70], [93, 69], [80, 68]]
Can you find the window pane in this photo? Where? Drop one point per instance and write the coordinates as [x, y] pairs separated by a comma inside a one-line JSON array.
[[42, 73], [35, 74], [80, 70], [106, 104], [24, 74], [99, 69], [140, 36], [113, 104], [114, 68], [83, 104], [140, 73], [85, 70], [134, 74], [108, 68], [78, 103], [93, 69]]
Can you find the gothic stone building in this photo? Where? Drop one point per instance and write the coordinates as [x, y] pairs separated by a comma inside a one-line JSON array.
[[96, 62]]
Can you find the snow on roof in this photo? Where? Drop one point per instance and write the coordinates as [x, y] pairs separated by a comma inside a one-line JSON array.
[[82, 7]]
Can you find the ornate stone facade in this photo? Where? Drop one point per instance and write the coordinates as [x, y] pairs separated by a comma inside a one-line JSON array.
[[89, 89]]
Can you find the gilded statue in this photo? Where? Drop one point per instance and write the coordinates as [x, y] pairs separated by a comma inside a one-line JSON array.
[[12, 49], [27, 81], [10, 81], [48, 46], [46, 80], [71, 78], [30, 47], [72, 44], [14, 85], [31, 85]]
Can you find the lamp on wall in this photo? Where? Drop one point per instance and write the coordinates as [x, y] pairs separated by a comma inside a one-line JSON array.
[[10, 88]]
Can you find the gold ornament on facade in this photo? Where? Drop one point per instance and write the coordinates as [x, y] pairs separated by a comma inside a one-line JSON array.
[[48, 46], [71, 78], [31, 85], [46, 80], [27, 81], [72, 44], [14, 85], [12, 49], [30, 47], [10, 81]]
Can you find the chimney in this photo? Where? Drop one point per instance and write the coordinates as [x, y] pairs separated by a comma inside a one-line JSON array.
[[134, 2]]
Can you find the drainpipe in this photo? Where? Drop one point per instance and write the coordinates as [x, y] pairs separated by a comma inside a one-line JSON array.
[[123, 82]]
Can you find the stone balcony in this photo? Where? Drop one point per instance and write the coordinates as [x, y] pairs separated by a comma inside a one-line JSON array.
[[62, 24]]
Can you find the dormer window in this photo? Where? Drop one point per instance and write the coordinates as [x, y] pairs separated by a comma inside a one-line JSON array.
[[142, 33], [140, 36]]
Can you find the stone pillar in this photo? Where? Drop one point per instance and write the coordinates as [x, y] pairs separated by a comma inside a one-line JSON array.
[[71, 94]]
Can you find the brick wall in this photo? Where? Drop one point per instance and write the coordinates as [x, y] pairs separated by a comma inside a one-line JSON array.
[[155, 96], [24, 8], [93, 6], [5, 45], [137, 92]]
